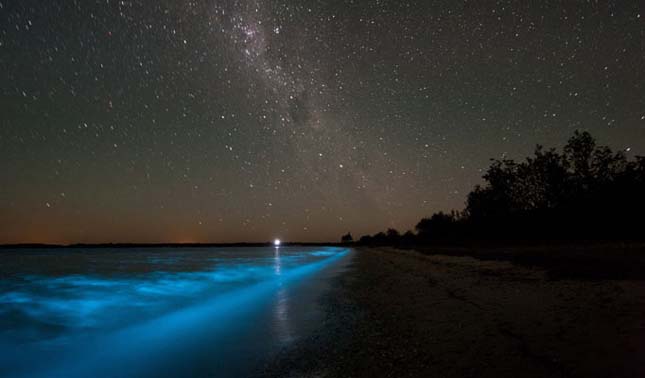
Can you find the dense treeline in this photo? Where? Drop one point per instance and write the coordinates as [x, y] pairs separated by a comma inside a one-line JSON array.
[[587, 192]]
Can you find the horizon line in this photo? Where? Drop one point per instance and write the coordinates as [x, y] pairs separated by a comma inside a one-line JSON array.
[[152, 245]]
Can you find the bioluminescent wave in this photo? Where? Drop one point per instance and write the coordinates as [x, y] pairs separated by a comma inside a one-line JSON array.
[[157, 312]]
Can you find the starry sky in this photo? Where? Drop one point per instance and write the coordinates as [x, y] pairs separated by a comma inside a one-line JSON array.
[[223, 121]]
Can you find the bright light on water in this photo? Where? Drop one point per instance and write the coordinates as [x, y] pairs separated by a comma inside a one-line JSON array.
[[153, 312], [276, 242]]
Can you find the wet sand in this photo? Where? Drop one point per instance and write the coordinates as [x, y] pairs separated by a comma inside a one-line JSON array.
[[443, 313]]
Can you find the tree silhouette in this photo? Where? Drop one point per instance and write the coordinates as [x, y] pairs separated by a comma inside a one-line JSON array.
[[578, 152], [366, 240], [408, 238], [379, 238], [393, 236], [439, 227], [570, 195], [586, 192]]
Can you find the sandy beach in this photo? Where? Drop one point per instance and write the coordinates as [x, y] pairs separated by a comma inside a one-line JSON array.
[[402, 313]]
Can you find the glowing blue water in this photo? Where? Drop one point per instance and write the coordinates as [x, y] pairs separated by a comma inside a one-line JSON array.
[[156, 312]]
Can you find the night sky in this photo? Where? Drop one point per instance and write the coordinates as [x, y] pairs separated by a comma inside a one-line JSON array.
[[221, 121]]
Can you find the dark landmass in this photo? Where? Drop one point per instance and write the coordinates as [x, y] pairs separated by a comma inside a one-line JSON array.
[[530, 312], [586, 193]]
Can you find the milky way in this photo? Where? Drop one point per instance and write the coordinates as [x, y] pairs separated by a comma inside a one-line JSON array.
[[154, 121]]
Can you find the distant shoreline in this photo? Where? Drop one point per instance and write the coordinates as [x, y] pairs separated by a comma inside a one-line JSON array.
[[471, 248], [157, 245]]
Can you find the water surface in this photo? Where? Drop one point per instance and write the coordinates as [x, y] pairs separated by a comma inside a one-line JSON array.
[[157, 311]]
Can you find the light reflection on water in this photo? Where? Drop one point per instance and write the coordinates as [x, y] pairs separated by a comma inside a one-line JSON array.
[[281, 308], [154, 312]]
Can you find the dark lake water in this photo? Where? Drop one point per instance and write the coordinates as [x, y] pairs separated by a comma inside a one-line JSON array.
[[157, 311]]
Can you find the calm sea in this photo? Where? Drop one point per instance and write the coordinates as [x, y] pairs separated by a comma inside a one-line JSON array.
[[153, 312]]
